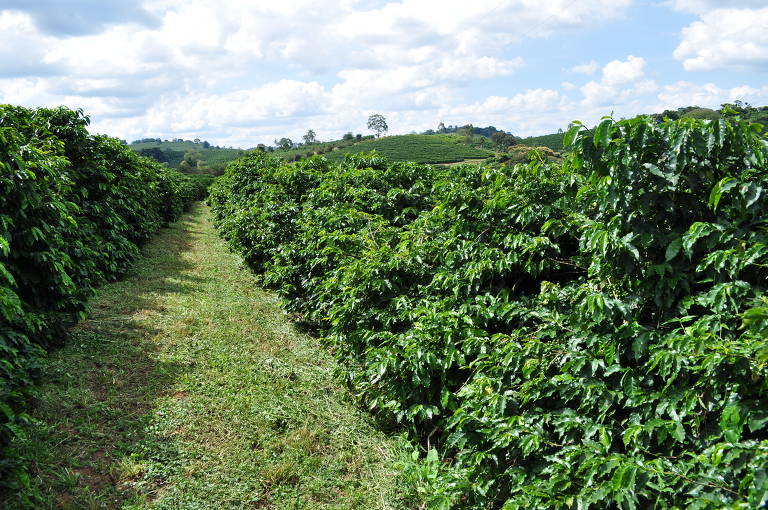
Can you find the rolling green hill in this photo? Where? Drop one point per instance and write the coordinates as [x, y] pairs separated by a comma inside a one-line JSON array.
[[757, 114], [417, 148], [554, 141], [173, 152], [324, 148]]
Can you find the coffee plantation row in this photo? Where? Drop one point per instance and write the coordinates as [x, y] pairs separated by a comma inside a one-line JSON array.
[[74, 210], [581, 335]]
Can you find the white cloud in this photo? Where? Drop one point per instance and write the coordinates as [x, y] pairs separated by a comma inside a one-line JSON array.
[[535, 100], [482, 68], [533, 111], [22, 47], [166, 67], [707, 95], [726, 39], [23, 91], [702, 6], [589, 68], [80, 17], [240, 73], [618, 72], [622, 81]]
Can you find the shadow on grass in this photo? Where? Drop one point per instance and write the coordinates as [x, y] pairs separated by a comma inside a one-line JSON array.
[[95, 431]]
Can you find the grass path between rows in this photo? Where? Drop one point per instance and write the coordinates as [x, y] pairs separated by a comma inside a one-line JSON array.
[[187, 388]]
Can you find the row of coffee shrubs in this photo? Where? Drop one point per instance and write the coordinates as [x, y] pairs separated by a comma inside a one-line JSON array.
[[584, 334], [74, 210]]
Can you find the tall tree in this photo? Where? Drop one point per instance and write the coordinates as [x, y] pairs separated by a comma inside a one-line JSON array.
[[284, 143], [192, 162], [310, 138], [503, 140], [468, 132], [377, 123], [155, 153]]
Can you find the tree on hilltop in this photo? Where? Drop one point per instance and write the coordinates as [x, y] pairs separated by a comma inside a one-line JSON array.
[[468, 132], [284, 143], [155, 153], [503, 140], [310, 137], [192, 162], [377, 123]]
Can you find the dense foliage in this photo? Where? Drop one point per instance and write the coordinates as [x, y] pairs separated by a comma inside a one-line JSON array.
[[74, 209], [581, 335]]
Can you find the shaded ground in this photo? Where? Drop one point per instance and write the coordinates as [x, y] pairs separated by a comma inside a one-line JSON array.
[[187, 388]]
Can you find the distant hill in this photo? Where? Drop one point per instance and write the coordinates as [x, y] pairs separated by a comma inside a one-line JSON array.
[[417, 148], [554, 141], [303, 151], [172, 153], [746, 111], [447, 146]]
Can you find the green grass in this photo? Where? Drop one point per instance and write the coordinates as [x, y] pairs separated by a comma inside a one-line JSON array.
[[187, 388], [418, 148]]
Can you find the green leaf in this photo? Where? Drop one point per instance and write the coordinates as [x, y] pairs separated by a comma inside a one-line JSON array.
[[570, 135], [678, 431], [640, 346], [673, 249], [697, 231], [730, 422], [605, 439], [757, 420], [723, 186], [603, 133]]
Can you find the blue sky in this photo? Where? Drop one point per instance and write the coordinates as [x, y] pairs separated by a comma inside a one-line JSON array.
[[242, 73]]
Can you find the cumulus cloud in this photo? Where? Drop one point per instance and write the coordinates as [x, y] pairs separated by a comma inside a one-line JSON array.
[[702, 6], [24, 91], [231, 67], [726, 39], [79, 17], [22, 48], [589, 68], [529, 112], [622, 81], [618, 72], [240, 73], [534, 100], [707, 95]]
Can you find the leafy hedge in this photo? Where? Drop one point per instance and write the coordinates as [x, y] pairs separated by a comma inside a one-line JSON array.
[[74, 209], [590, 334]]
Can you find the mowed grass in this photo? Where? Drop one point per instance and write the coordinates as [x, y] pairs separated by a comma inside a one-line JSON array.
[[187, 388], [417, 148]]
